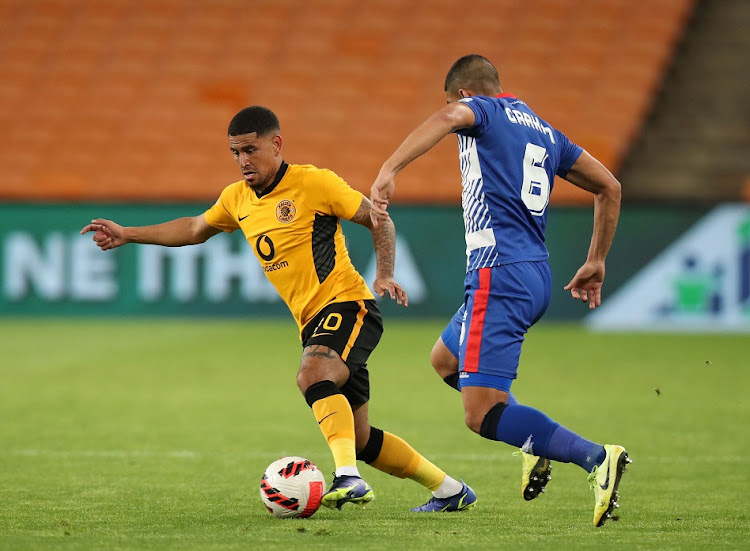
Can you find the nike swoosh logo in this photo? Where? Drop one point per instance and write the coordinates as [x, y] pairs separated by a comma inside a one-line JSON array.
[[327, 416], [243, 217], [606, 481], [320, 335]]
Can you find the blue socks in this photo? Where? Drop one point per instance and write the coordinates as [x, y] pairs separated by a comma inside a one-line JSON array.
[[526, 428], [571, 448], [535, 433]]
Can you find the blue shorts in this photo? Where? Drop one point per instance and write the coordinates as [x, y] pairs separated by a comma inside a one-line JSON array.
[[451, 337], [452, 332], [501, 303]]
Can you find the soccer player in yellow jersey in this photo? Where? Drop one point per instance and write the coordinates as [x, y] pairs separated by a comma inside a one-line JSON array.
[[290, 215]]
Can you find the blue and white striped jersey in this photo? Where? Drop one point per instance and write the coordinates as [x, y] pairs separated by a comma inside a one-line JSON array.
[[508, 160]]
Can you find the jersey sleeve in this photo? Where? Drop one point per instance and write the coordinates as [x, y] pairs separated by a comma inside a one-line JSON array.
[[330, 194], [569, 153], [222, 215], [481, 119]]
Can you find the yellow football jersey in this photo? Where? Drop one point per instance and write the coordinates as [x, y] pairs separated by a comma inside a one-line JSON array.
[[295, 231]]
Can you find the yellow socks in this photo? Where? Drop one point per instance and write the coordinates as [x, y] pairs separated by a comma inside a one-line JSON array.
[[399, 459], [336, 421]]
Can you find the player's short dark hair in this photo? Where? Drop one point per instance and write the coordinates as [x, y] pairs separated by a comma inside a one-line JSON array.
[[472, 72], [254, 119]]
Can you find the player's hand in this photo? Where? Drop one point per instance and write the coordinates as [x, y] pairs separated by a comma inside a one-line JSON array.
[[380, 195], [586, 285], [387, 285], [107, 234]]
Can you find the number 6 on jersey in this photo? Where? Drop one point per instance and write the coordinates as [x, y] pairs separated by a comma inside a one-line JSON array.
[[535, 187]]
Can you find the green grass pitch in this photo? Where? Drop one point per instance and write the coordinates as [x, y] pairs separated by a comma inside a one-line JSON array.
[[153, 434]]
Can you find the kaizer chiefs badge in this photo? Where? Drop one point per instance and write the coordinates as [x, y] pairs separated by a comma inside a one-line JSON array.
[[285, 211]]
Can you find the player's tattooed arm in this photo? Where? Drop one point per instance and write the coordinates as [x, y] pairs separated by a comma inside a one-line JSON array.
[[384, 241], [383, 238], [362, 216]]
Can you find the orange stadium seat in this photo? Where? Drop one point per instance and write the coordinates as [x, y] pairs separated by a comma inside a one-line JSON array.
[[128, 100]]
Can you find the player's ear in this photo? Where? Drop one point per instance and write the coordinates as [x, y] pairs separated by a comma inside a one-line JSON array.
[[276, 142], [463, 93]]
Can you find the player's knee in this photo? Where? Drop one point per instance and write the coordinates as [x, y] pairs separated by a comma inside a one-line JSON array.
[[473, 420], [489, 427], [310, 373], [303, 381], [485, 422], [308, 377], [437, 364], [442, 360]]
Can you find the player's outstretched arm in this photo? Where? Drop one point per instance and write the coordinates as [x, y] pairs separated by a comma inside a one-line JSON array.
[[384, 241], [450, 118], [589, 174], [175, 233]]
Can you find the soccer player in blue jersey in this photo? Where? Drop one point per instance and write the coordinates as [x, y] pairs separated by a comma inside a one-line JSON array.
[[509, 158]]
